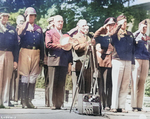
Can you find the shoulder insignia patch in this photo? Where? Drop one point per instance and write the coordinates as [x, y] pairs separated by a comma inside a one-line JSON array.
[[39, 30]]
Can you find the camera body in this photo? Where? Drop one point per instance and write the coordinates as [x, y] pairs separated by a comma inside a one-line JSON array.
[[89, 104]]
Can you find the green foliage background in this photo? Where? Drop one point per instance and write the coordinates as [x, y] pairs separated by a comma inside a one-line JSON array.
[[93, 13], [147, 85]]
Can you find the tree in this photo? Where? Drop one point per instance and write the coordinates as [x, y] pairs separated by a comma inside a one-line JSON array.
[[13, 16], [15, 5], [93, 13]]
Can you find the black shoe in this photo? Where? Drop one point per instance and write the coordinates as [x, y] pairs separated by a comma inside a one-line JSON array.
[[24, 104], [139, 109], [58, 108], [10, 104], [119, 110], [30, 104]]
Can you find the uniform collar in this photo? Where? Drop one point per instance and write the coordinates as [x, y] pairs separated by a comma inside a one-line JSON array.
[[84, 37], [121, 33]]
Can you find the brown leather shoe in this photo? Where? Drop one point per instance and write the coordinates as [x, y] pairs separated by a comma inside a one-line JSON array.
[[113, 110], [135, 110], [124, 111], [107, 108], [53, 108]]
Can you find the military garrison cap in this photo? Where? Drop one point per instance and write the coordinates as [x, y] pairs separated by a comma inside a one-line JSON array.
[[110, 20]]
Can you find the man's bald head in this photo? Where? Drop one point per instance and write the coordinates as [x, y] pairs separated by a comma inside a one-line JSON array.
[[58, 17], [82, 22], [58, 22], [82, 26]]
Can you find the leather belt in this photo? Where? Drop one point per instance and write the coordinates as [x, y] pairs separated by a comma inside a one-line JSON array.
[[31, 47]]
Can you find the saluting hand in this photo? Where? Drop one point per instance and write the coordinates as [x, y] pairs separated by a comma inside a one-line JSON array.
[[121, 22], [27, 18], [141, 27], [105, 26]]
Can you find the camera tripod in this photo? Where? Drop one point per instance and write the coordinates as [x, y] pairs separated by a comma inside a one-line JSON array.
[[94, 75]]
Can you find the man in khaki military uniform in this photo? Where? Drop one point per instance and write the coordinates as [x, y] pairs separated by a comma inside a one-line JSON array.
[[104, 51], [16, 85], [122, 61], [31, 56], [140, 71], [9, 51]]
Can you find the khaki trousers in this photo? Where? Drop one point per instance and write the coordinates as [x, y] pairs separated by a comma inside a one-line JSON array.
[[139, 75], [121, 73], [28, 65], [6, 69], [13, 86]]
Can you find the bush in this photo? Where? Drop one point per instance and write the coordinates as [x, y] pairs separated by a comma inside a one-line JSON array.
[[147, 85], [40, 82], [68, 85]]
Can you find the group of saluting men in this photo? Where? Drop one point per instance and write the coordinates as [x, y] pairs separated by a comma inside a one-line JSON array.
[[120, 56]]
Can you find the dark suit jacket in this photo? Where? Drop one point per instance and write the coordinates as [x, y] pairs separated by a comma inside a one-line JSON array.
[[56, 56]]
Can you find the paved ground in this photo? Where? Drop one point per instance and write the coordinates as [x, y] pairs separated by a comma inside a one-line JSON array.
[[45, 113]]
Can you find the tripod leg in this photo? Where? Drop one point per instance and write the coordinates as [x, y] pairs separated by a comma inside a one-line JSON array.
[[73, 99], [82, 69], [83, 81], [95, 87]]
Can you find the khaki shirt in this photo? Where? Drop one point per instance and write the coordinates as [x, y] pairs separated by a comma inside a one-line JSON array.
[[80, 46]]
